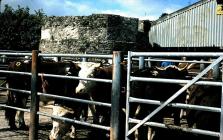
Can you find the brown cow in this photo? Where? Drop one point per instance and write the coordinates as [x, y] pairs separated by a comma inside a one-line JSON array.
[[56, 86], [156, 91], [204, 96]]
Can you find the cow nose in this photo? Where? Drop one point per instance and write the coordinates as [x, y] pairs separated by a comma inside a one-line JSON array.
[[81, 91]]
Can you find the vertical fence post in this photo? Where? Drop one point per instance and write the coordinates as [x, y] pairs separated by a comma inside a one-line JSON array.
[[115, 97], [128, 90], [34, 105], [202, 65], [221, 117], [149, 62], [141, 62], [216, 71], [84, 59]]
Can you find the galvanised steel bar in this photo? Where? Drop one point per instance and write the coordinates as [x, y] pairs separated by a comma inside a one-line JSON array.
[[75, 78], [221, 118], [59, 55], [34, 104], [176, 94], [16, 108], [176, 105], [84, 59], [174, 81], [17, 90], [177, 54], [190, 130], [179, 61], [127, 95], [76, 55], [115, 97], [74, 121], [74, 99], [15, 54], [16, 72], [216, 72], [141, 62], [172, 60]]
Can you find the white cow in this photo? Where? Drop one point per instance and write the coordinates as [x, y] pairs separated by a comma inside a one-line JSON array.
[[61, 128]]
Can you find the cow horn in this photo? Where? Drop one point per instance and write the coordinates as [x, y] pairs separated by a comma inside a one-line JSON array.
[[181, 69], [191, 65], [164, 68], [160, 68]]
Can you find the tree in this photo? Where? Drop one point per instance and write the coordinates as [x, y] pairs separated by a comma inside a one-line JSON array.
[[19, 29]]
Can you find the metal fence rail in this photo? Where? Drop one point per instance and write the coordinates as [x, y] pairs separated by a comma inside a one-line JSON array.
[[131, 55]]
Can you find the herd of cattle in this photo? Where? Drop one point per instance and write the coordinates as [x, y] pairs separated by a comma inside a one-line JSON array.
[[99, 91]]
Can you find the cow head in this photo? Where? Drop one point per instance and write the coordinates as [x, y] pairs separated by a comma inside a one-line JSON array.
[[88, 70], [171, 72], [61, 128]]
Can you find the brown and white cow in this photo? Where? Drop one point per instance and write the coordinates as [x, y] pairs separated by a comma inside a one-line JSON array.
[[98, 91], [56, 86]]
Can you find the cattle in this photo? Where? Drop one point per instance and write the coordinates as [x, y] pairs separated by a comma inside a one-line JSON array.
[[99, 91], [156, 91], [55, 86], [204, 96], [60, 128]]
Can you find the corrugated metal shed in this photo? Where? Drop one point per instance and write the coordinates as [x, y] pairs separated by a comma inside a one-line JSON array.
[[197, 25]]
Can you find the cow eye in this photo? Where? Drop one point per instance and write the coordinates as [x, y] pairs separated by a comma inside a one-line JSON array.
[[83, 82]]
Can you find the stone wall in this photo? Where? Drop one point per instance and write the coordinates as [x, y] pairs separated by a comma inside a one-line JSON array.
[[100, 33]]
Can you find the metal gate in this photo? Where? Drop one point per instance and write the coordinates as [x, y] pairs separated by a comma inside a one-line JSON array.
[[218, 57]]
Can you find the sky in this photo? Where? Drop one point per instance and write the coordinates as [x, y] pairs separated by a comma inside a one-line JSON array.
[[142, 9]]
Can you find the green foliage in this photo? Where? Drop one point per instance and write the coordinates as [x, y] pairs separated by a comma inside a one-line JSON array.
[[19, 29]]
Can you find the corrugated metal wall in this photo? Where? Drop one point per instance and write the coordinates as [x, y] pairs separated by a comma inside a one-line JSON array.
[[197, 25]]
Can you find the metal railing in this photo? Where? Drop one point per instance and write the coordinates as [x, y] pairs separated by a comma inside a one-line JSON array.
[[131, 55]]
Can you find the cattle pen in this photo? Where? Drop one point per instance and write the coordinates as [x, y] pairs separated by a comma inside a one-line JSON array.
[[116, 89], [34, 100]]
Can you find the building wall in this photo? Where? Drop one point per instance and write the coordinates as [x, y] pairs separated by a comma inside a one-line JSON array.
[[198, 25], [101, 33]]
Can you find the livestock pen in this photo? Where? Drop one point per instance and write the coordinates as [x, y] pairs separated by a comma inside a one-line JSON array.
[[114, 128], [34, 100]]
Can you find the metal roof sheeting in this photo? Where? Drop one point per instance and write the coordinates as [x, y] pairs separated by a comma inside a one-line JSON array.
[[197, 25]]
